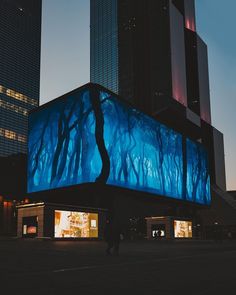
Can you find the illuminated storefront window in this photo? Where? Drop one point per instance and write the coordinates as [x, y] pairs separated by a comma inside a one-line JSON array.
[[76, 224], [29, 226], [182, 229], [158, 233]]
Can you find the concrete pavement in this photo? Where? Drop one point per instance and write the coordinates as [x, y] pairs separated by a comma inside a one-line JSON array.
[[164, 268]]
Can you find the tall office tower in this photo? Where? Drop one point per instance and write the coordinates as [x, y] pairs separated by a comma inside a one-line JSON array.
[[20, 39], [149, 52], [104, 44]]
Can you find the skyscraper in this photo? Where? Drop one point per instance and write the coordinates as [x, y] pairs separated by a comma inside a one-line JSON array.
[[20, 39], [150, 49], [104, 44], [150, 53]]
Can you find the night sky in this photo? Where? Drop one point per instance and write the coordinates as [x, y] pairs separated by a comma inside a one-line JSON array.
[[65, 59]]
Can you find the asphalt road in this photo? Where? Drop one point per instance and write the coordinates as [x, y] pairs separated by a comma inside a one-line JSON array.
[[163, 268]]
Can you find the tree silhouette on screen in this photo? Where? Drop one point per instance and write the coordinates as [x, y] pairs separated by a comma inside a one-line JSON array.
[[92, 136]]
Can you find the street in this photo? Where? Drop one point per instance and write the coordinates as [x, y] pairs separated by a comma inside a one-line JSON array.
[[143, 267]]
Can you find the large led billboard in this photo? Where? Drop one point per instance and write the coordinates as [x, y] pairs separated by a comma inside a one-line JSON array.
[[75, 224], [198, 179], [91, 136], [183, 229]]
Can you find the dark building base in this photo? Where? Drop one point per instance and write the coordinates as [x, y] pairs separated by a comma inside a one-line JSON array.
[[121, 205]]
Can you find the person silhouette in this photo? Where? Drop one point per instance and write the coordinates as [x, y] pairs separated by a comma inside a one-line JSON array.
[[108, 236], [112, 237]]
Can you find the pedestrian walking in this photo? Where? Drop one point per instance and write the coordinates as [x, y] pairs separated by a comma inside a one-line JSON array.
[[116, 239], [112, 235], [108, 236]]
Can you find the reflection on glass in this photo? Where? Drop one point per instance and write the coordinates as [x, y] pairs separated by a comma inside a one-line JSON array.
[[76, 224]]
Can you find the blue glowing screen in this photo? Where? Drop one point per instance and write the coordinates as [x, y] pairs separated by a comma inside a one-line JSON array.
[[91, 136], [198, 178]]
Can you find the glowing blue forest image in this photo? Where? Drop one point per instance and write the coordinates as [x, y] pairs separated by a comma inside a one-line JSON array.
[[91, 136], [198, 179]]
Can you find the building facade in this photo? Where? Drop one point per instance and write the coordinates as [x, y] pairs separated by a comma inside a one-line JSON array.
[[150, 49], [104, 44], [158, 62], [47, 220], [13, 190], [20, 39], [91, 136], [91, 148]]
